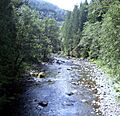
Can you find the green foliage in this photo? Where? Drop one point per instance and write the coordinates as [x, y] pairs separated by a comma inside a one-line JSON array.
[[110, 38], [7, 48], [37, 38], [101, 39], [24, 39], [66, 34], [83, 15], [119, 97], [94, 33], [117, 89], [7, 41], [72, 29], [97, 9], [52, 33], [90, 40], [30, 36]]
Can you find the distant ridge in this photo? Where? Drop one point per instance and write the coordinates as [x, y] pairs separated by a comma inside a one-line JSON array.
[[47, 9]]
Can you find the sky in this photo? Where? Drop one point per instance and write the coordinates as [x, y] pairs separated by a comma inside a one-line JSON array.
[[66, 4]]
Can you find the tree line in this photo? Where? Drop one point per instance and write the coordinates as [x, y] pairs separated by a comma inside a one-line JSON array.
[[25, 38], [93, 31]]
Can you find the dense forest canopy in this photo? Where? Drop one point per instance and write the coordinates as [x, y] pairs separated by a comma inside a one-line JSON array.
[[25, 38], [93, 31]]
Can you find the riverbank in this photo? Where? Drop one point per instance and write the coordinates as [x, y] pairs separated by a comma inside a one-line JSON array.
[[109, 104], [112, 75]]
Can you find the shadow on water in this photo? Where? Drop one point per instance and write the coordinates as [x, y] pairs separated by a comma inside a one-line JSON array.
[[67, 90]]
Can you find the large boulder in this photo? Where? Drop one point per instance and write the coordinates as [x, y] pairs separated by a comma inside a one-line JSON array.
[[41, 75], [34, 74], [43, 103], [38, 74]]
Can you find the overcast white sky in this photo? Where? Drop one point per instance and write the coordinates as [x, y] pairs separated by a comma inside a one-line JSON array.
[[66, 4]]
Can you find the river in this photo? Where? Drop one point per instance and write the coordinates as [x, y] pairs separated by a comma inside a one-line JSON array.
[[67, 90]]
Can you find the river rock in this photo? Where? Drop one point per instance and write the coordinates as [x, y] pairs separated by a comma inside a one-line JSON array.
[[95, 104], [69, 104], [43, 103], [50, 81], [41, 75], [72, 92], [59, 68], [58, 62], [35, 100], [69, 94], [34, 74], [75, 83], [95, 90], [84, 101]]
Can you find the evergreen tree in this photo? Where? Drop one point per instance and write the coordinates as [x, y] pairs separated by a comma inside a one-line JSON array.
[[52, 32], [95, 32], [89, 43], [83, 15], [66, 34], [110, 41], [72, 28]]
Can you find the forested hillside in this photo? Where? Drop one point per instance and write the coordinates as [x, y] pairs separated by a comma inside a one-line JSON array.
[[93, 31], [47, 9]]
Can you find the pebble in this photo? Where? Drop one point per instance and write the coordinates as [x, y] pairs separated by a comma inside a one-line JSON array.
[[69, 94], [43, 103]]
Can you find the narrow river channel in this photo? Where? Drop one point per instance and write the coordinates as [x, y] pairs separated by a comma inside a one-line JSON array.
[[67, 90]]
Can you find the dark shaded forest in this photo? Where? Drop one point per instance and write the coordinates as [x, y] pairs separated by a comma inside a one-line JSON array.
[[29, 36], [25, 39]]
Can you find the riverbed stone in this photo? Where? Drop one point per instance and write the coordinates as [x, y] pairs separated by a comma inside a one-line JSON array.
[[70, 94], [43, 103], [58, 62], [41, 75]]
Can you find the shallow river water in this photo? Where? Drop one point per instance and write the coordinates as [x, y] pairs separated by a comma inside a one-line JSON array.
[[67, 90]]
